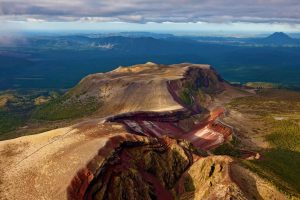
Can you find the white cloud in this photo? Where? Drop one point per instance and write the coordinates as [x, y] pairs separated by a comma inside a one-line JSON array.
[[34, 20], [155, 10]]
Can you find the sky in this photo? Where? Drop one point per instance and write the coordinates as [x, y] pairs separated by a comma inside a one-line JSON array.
[[150, 15]]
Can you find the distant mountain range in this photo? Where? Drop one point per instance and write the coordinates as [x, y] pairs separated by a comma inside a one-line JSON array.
[[275, 39], [107, 41], [133, 35], [43, 61]]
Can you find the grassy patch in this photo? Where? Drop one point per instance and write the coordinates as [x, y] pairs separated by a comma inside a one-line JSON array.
[[227, 149], [280, 163], [186, 96], [283, 160], [230, 148], [262, 85], [10, 121], [281, 167], [285, 135], [14, 110], [190, 94], [19, 109], [268, 102], [189, 184], [66, 108]]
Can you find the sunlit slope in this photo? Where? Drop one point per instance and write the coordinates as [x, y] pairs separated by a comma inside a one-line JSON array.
[[144, 87]]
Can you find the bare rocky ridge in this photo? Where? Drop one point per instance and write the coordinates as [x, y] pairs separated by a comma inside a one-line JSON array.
[[147, 87], [150, 139]]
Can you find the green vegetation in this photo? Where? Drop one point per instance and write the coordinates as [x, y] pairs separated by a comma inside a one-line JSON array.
[[189, 184], [285, 135], [13, 111], [282, 161], [279, 111], [263, 85], [66, 108], [270, 103], [227, 149], [235, 142], [194, 149], [10, 121], [186, 97], [280, 167], [20, 108], [231, 148], [194, 92]]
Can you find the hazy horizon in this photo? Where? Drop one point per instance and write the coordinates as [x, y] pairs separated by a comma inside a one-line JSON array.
[[172, 16]]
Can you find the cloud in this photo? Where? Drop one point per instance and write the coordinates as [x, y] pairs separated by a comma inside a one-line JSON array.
[[34, 20], [143, 11]]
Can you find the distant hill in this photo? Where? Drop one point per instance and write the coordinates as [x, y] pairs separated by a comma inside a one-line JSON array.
[[278, 38]]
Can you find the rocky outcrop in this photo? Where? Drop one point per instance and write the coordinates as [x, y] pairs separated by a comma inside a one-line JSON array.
[[212, 179], [156, 169], [136, 170], [166, 169]]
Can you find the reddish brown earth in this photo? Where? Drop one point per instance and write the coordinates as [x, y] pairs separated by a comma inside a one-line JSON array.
[[206, 135]]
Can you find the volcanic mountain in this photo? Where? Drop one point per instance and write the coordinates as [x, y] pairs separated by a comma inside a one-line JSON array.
[[278, 38], [148, 87], [151, 136]]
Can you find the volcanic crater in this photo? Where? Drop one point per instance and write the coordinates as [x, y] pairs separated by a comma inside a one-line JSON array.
[[151, 138]]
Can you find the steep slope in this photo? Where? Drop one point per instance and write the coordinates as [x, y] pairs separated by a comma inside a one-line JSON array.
[[167, 169]]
